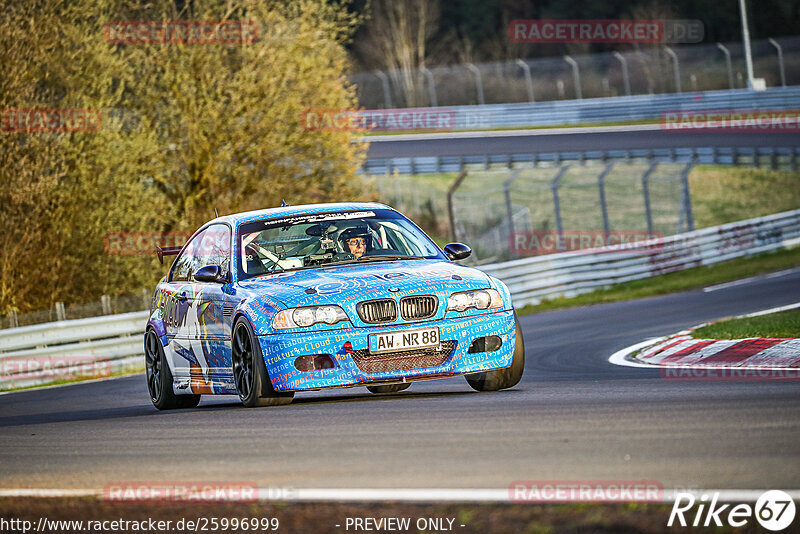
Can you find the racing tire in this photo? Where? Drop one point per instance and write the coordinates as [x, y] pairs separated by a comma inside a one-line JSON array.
[[388, 388], [249, 371], [159, 377], [502, 378]]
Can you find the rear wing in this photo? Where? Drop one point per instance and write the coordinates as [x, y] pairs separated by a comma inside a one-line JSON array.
[[166, 251]]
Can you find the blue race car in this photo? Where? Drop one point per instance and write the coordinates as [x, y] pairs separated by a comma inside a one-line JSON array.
[[298, 298]]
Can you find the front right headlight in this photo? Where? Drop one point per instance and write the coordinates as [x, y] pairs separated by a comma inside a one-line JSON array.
[[482, 299]]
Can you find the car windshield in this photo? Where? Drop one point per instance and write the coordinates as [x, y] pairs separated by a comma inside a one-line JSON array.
[[303, 241]]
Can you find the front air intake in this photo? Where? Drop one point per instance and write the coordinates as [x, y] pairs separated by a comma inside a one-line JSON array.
[[418, 307], [377, 311]]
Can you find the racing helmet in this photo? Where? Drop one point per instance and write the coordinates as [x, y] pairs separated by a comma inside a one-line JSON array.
[[361, 231]]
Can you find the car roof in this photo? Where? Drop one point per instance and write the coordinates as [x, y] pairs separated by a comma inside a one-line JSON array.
[[236, 219]]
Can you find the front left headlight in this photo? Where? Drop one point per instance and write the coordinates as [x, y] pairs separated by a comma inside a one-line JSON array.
[[482, 299], [308, 316]]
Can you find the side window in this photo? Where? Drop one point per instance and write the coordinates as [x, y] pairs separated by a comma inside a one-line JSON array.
[[183, 269], [212, 246]]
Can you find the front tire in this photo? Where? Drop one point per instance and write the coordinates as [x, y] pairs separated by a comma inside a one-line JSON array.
[[249, 371], [159, 377], [388, 388], [502, 378]]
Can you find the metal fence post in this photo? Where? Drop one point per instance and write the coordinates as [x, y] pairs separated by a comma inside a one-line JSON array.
[[774, 43], [576, 75], [727, 63], [450, 210], [387, 93], [625, 78], [676, 69], [646, 194], [478, 82], [556, 205], [601, 188], [105, 304], [528, 79], [509, 211], [686, 196], [14, 319], [431, 86], [61, 314]]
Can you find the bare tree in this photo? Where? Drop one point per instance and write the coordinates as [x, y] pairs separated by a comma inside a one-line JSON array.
[[397, 39]]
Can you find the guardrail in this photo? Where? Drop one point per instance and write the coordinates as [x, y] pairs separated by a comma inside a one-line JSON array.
[[620, 108], [773, 157], [100, 346], [68, 350], [568, 274]]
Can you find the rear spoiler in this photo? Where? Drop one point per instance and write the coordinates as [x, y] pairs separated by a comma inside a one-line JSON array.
[[166, 251]]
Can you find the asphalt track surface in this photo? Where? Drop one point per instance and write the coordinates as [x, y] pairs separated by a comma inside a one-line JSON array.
[[569, 140], [574, 416]]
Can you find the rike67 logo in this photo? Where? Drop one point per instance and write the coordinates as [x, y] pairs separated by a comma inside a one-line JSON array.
[[774, 510]]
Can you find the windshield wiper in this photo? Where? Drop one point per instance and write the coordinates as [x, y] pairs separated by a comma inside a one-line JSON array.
[[389, 257]]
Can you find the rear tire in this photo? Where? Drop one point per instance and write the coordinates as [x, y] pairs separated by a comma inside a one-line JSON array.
[[159, 377], [249, 371], [502, 378], [388, 388]]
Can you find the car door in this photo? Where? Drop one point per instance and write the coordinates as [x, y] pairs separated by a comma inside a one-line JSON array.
[[181, 311], [212, 306]]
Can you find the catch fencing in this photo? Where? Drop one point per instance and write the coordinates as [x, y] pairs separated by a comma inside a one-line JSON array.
[[642, 70], [490, 210]]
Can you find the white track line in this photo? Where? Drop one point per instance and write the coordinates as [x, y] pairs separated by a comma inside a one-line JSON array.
[[77, 383], [417, 495], [511, 133], [623, 356], [743, 281]]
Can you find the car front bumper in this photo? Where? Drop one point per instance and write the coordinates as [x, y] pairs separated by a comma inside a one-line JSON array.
[[353, 365]]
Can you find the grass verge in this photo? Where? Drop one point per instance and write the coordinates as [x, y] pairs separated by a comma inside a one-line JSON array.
[[784, 324], [677, 281]]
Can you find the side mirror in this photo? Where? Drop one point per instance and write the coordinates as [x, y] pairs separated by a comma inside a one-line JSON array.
[[209, 273], [457, 251]]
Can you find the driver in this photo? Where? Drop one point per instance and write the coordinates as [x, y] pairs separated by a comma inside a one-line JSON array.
[[356, 241]]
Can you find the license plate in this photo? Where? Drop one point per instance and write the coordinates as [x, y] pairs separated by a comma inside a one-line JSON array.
[[421, 338]]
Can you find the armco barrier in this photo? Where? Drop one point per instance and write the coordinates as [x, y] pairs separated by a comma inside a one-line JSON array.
[[62, 332], [620, 108], [65, 350], [115, 342], [568, 274]]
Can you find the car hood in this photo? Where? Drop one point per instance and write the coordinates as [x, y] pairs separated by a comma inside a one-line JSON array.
[[364, 281]]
